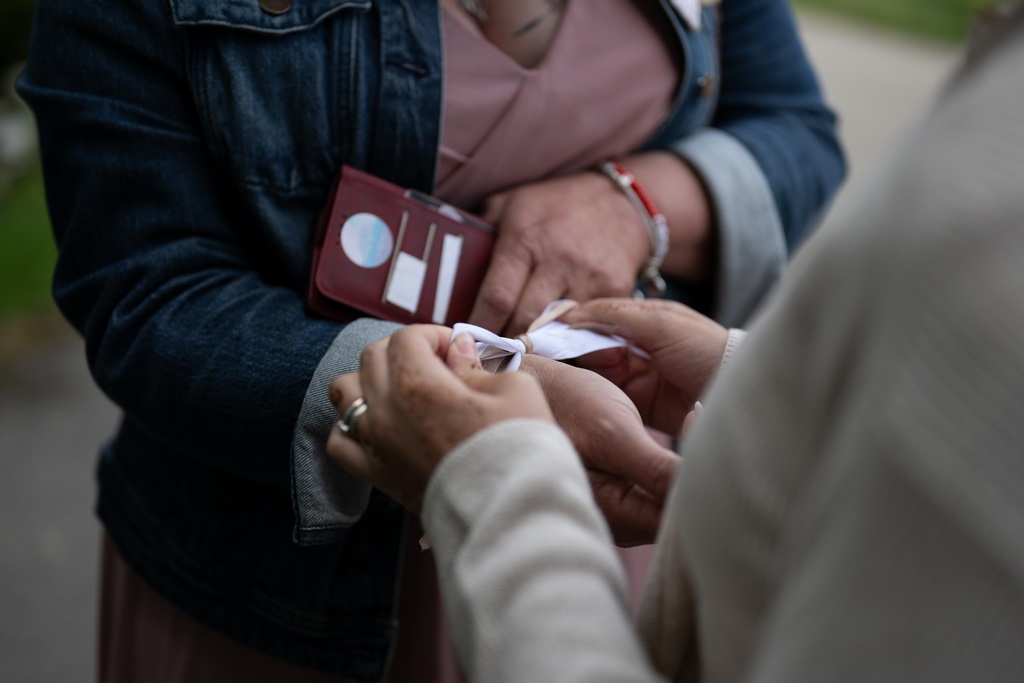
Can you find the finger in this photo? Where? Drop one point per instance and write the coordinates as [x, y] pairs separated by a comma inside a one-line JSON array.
[[499, 292], [518, 392], [462, 354], [417, 361], [633, 515], [543, 286], [612, 364], [420, 344], [344, 389], [691, 417], [351, 456], [347, 389], [648, 324], [503, 384], [415, 343], [643, 460], [654, 470], [494, 208], [372, 361], [423, 340]]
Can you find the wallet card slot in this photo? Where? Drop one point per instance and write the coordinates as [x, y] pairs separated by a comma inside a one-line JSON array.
[[448, 268], [394, 258], [404, 287]]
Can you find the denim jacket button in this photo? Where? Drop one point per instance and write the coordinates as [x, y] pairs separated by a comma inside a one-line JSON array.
[[706, 83], [275, 6]]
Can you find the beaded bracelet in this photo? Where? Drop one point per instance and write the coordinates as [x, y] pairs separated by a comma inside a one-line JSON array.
[[650, 280]]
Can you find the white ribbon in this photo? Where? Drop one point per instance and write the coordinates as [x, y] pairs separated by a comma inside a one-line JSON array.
[[551, 339]]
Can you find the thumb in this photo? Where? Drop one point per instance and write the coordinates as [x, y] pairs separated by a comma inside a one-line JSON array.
[[462, 355], [463, 360], [494, 207]]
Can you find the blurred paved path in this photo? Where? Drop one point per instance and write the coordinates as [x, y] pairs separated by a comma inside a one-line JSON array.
[[52, 419], [880, 84]]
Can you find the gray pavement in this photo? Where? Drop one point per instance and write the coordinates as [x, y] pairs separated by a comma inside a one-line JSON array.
[[881, 84], [53, 420]]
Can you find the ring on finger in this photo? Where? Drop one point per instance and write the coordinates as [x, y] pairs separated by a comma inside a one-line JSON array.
[[349, 422]]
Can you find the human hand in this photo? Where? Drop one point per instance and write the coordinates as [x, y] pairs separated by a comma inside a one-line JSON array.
[[630, 473], [424, 396], [573, 237], [685, 350]]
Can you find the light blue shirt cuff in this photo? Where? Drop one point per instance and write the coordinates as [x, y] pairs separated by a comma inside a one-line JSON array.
[[325, 497], [751, 243]]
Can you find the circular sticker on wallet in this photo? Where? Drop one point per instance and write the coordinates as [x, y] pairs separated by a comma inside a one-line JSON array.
[[366, 240]]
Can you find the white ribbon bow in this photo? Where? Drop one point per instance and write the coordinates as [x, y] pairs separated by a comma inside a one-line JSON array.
[[546, 337]]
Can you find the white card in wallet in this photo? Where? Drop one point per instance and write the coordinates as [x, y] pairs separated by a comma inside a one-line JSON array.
[[406, 282], [451, 252]]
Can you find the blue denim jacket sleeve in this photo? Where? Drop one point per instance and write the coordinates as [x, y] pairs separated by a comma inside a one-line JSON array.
[[190, 301], [770, 156], [771, 102]]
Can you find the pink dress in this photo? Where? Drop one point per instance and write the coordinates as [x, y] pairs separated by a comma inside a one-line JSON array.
[[603, 88]]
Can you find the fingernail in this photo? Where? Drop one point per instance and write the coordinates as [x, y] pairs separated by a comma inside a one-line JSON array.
[[465, 345]]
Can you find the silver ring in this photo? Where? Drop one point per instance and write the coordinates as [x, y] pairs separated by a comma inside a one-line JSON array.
[[349, 422]]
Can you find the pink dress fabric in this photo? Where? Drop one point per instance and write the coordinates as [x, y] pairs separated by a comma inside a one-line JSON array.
[[605, 85]]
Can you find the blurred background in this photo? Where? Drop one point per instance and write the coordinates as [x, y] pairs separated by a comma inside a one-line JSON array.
[[882, 62]]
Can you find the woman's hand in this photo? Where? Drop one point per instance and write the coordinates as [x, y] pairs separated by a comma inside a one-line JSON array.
[[630, 472], [574, 237], [424, 396], [685, 348], [578, 237]]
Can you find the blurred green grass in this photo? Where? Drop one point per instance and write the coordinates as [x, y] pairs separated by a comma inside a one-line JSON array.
[[27, 250], [946, 20]]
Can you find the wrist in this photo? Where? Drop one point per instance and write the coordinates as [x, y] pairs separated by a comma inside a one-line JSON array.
[[682, 197], [650, 281]]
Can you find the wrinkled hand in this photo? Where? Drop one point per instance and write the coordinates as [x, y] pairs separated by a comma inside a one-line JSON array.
[[424, 397], [573, 237], [685, 347], [630, 473]]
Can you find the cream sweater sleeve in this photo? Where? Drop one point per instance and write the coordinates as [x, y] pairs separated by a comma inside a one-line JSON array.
[[532, 584], [851, 502]]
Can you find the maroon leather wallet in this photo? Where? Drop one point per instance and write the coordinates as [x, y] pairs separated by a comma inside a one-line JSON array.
[[397, 254]]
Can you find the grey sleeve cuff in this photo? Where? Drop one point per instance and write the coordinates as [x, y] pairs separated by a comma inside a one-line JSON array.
[[326, 498], [732, 344], [751, 243]]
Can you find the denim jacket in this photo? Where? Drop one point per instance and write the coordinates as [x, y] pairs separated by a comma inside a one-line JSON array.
[[188, 147]]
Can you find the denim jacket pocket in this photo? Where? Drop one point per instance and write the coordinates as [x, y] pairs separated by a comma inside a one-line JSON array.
[[280, 17], [276, 94]]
